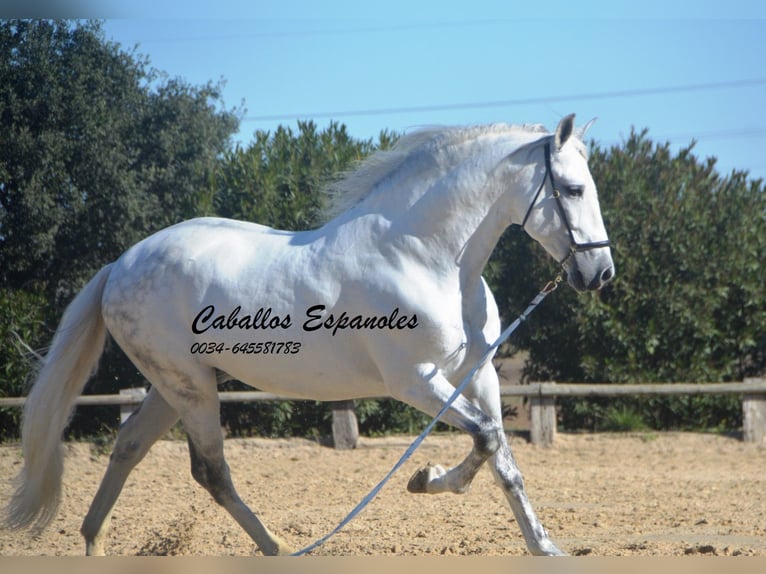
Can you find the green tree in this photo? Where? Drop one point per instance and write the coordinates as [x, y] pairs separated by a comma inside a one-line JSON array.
[[98, 151], [277, 180], [688, 302], [21, 321]]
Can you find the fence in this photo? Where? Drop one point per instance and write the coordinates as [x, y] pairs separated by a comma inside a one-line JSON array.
[[345, 429], [542, 399]]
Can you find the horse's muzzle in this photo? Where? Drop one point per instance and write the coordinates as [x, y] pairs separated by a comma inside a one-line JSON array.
[[590, 281]]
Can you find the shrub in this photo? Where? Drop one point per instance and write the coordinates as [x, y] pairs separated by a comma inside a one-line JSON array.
[[687, 304]]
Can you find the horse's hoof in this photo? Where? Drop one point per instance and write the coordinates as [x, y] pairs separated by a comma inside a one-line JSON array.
[[419, 482], [548, 548], [555, 551], [276, 547], [283, 549]]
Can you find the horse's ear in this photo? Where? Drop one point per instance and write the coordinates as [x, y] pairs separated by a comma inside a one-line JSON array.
[[564, 130], [580, 132]]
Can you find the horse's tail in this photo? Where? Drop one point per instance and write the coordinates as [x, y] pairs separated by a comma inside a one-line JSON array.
[[71, 360]]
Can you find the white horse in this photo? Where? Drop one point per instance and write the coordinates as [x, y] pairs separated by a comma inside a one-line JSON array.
[[387, 298]]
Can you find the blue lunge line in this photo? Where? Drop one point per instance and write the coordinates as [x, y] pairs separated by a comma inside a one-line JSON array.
[[549, 288]]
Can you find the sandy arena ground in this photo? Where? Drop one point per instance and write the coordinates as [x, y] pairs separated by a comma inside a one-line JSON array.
[[607, 494]]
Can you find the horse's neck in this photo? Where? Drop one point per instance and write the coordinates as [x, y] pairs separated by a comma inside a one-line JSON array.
[[452, 216], [502, 203]]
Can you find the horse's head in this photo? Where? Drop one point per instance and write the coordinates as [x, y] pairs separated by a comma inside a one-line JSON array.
[[564, 214]]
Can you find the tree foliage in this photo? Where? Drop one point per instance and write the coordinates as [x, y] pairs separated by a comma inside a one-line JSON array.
[[278, 179], [688, 302], [97, 152], [21, 321]]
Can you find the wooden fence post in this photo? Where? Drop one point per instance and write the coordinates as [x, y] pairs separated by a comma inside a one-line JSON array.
[[345, 430], [126, 410], [542, 418], [753, 415]]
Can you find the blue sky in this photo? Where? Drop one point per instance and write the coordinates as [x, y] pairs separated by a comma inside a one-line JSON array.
[[683, 70]]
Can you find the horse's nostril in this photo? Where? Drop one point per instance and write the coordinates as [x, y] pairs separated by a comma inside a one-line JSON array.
[[607, 274]]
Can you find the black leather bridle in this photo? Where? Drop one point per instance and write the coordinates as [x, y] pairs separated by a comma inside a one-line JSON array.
[[574, 246]]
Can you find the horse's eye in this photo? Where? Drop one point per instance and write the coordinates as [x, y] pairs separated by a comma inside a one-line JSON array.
[[574, 190]]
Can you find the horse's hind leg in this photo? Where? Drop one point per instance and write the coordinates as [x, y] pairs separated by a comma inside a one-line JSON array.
[[209, 468], [149, 422]]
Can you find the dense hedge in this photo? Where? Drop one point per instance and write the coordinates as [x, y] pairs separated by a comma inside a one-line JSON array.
[[93, 158], [687, 305]]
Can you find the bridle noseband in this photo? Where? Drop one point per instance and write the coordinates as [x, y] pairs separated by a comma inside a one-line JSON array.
[[574, 246]]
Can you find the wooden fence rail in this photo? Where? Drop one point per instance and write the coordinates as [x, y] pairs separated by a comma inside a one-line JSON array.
[[542, 397], [543, 407]]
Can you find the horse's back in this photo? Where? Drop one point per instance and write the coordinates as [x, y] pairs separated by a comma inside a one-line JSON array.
[[173, 291], [204, 235], [193, 245], [162, 280]]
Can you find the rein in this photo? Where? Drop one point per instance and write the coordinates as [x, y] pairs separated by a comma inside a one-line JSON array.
[[574, 246], [550, 287]]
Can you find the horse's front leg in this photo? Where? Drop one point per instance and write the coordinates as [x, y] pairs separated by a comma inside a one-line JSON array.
[[485, 413], [508, 476], [486, 394], [435, 479], [487, 433]]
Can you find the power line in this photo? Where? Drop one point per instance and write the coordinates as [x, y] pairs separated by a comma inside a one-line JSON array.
[[614, 94], [718, 135], [332, 31], [702, 136]]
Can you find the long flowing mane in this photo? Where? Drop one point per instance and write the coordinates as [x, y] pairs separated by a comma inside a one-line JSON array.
[[362, 180]]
